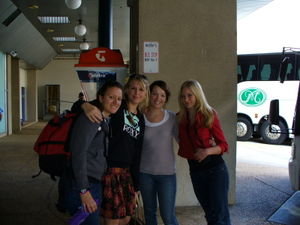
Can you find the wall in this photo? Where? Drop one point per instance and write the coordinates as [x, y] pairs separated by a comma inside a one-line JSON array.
[[23, 83], [59, 72], [14, 87], [197, 40], [32, 94]]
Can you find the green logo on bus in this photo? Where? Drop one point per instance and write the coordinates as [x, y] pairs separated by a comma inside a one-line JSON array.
[[252, 97]]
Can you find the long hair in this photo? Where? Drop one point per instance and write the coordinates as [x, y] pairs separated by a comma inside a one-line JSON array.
[[201, 105], [142, 79]]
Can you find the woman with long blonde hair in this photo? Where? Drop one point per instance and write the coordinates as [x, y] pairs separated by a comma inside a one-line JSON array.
[[202, 143]]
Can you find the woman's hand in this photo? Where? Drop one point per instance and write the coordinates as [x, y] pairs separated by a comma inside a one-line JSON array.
[[92, 112], [88, 202], [200, 154]]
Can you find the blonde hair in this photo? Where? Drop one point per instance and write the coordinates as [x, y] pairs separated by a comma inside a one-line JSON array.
[[142, 79], [201, 105]]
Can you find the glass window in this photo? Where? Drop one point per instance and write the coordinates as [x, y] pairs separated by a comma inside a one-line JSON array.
[[269, 67], [3, 110], [247, 65]]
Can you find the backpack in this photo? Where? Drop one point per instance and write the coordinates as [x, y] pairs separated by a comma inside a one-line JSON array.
[[52, 145]]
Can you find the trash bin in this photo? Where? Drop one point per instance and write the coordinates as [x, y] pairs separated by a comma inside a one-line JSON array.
[[97, 66]]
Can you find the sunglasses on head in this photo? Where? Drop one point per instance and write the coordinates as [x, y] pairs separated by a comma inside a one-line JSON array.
[[138, 76]]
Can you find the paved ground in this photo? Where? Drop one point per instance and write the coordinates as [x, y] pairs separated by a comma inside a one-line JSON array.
[[262, 185]]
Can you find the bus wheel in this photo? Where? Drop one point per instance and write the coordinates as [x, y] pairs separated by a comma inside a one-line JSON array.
[[244, 129], [273, 138]]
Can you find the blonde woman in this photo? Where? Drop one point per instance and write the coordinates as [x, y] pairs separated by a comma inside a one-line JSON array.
[[202, 143], [125, 145]]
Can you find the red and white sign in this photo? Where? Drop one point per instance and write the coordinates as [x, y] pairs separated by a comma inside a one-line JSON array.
[[151, 57]]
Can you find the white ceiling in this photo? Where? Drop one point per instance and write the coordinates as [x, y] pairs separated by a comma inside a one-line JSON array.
[[35, 46]]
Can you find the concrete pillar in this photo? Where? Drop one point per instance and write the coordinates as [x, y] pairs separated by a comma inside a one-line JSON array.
[[32, 103], [197, 40], [15, 95]]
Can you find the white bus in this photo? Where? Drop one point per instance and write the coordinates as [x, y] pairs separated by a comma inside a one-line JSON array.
[[275, 117], [258, 84]]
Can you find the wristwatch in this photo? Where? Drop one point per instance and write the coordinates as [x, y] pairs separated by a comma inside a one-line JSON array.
[[83, 191]]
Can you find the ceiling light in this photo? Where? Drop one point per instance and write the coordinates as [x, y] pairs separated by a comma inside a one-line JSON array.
[[64, 39], [74, 50], [33, 7], [73, 4], [13, 53], [54, 19], [80, 29], [84, 46]]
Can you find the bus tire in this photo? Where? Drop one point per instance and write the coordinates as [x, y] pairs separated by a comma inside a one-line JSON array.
[[244, 129], [273, 138]]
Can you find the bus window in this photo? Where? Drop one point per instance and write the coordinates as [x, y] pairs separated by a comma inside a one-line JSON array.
[[253, 73], [269, 67], [248, 72], [247, 67], [297, 75], [289, 72], [239, 74], [265, 72]]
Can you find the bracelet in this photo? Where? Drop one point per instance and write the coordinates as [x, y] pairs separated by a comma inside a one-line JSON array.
[[83, 191]]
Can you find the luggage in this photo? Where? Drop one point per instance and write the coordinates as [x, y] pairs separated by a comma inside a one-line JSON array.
[[52, 145]]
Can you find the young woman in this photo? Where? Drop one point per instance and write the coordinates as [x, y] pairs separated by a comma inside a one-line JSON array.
[[202, 143], [88, 148], [157, 168], [125, 145]]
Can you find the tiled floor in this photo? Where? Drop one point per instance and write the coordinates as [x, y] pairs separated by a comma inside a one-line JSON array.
[[27, 201]]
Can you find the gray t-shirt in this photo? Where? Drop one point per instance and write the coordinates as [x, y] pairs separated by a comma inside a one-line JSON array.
[[158, 155]]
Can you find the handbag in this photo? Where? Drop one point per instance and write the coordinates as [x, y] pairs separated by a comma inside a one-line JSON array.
[[138, 217]]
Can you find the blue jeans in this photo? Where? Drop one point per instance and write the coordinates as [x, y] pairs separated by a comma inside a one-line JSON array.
[[163, 188], [73, 201], [211, 189]]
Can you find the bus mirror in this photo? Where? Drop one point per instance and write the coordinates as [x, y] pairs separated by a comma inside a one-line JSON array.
[[274, 112], [283, 68]]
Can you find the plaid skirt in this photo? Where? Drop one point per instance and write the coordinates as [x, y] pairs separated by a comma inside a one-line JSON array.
[[118, 194]]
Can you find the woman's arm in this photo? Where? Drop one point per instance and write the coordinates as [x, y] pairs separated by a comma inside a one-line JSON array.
[[218, 141], [92, 112], [82, 135], [202, 153]]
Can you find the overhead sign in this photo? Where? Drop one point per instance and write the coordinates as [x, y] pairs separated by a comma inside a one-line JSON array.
[[151, 57]]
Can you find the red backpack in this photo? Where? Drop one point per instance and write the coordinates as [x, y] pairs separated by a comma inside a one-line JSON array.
[[52, 145]]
